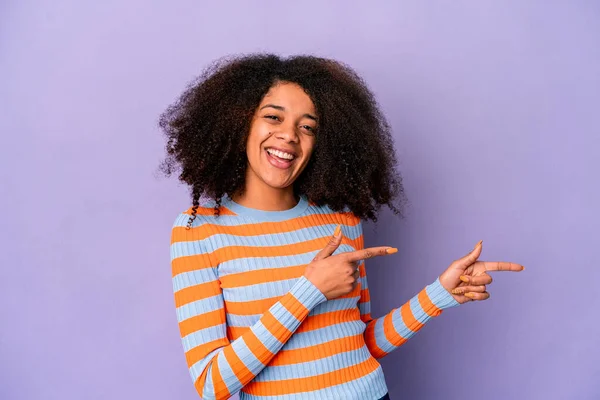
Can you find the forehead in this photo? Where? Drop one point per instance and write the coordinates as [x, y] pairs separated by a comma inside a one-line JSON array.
[[289, 95]]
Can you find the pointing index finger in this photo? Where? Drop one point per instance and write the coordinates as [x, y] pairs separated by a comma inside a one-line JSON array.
[[370, 252], [502, 266]]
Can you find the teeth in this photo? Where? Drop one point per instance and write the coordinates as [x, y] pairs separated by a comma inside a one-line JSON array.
[[280, 154]]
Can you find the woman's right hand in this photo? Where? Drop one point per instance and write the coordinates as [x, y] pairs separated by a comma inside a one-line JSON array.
[[337, 275]]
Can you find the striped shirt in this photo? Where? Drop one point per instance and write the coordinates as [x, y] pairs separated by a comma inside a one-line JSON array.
[[252, 324]]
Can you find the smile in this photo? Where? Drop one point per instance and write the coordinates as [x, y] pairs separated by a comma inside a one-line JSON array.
[[279, 159], [280, 154]]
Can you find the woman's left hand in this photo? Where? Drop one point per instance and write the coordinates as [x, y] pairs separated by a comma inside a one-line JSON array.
[[466, 278]]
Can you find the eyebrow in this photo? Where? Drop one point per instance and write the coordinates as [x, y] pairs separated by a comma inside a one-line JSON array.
[[310, 116]]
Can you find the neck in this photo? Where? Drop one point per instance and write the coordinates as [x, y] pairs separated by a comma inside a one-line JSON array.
[[261, 196]]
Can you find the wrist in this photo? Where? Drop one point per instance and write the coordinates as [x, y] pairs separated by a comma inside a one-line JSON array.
[[440, 295]]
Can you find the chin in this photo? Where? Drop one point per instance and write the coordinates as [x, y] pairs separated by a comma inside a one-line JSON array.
[[277, 183]]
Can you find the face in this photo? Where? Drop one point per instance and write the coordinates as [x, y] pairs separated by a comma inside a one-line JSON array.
[[281, 138]]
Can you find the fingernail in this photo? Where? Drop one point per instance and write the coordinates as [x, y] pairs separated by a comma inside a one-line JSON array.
[[464, 279], [481, 241], [456, 291], [391, 250], [523, 269], [337, 231], [470, 295]]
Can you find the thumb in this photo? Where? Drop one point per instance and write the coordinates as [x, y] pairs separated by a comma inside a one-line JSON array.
[[469, 259], [333, 244]]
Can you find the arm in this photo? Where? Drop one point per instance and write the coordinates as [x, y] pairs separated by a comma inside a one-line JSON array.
[[220, 368], [387, 333]]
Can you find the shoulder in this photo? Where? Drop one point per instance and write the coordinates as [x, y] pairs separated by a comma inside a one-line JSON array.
[[345, 216], [205, 213]]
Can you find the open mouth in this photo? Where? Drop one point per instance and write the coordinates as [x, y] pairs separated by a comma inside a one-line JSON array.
[[279, 159]]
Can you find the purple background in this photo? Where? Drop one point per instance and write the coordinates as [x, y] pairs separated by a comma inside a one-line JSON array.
[[495, 109]]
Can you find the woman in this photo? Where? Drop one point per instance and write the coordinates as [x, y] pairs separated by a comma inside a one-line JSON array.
[[289, 155]]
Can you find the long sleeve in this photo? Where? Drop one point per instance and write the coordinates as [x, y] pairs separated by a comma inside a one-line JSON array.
[[220, 367], [387, 333]]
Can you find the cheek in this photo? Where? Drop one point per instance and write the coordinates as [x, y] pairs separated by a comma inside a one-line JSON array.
[[253, 143], [258, 134], [308, 148]]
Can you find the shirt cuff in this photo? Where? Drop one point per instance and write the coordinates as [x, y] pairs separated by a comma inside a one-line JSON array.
[[439, 296], [307, 293]]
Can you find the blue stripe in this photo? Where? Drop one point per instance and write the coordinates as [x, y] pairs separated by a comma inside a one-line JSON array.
[[263, 215], [364, 308], [202, 336], [285, 317], [233, 220], [346, 303], [275, 239], [266, 338], [227, 375], [242, 350], [198, 247], [326, 334], [259, 290], [382, 342], [199, 307], [439, 296], [400, 325], [417, 310], [242, 321], [191, 247], [192, 278], [328, 306], [258, 263]]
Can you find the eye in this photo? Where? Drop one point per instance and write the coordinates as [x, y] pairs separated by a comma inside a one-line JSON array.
[[273, 117], [308, 128]]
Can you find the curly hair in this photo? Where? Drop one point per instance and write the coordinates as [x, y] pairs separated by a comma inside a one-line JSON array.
[[353, 164]]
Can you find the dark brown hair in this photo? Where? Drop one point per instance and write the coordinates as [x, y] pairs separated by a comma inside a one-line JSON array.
[[353, 164]]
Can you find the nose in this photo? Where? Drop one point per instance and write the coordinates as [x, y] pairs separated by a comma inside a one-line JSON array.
[[287, 133]]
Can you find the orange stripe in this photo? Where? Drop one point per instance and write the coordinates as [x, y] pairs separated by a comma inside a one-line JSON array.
[[294, 306], [366, 318], [276, 328], [327, 319], [409, 319], [425, 302], [365, 295], [197, 292], [297, 310], [229, 253], [209, 211], [262, 353], [199, 384], [354, 293], [181, 234], [234, 332], [221, 391], [250, 307], [361, 267], [261, 276], [202, 321], [371, 343], [260, 306], [237, 365], [390, 332], [196, 354], [190, 263], [316, 352], [297, 385]]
